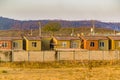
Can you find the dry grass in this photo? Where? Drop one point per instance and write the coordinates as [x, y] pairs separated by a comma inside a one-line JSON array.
[[62, 70], [101, 73]]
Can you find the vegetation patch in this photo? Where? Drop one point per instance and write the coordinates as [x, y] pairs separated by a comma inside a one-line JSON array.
[[61, 64], [4, 71]]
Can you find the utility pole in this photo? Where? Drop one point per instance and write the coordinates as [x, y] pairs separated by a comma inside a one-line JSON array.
[[72, 34], [31, 32], [93, 27], [39, 23]]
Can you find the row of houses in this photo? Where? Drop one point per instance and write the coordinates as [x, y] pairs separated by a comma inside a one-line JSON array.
[[20, 43], [36, 43], [88, 42]]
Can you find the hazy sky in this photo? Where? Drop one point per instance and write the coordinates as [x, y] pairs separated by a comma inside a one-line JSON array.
[[104, 10]]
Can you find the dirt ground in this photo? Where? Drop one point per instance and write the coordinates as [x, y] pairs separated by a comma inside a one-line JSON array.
[[102, 73]]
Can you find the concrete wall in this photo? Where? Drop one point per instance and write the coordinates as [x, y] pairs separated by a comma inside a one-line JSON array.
[[5, 55], [34, 56], [61, 55]]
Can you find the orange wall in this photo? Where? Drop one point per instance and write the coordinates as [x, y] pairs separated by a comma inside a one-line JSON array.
[[9, 45], [87, 45]]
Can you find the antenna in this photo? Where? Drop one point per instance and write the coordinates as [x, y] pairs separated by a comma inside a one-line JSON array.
[[72, 34], [93, 27], [31, 32], [39, 23]]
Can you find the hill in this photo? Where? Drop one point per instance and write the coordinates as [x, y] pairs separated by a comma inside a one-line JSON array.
[[8, 24]]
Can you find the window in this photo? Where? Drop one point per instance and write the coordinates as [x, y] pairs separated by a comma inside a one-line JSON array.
[[4, 44], [101, 44], [73, 45], [64, 44], [15, 45], [34, 44], [92, 44]]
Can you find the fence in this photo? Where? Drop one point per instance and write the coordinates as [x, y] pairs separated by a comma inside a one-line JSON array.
[[59, 55]]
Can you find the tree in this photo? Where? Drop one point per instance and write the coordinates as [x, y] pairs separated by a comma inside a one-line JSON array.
[[52, 27]]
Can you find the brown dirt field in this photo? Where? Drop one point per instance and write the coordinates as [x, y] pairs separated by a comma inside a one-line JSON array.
[[100, 73]]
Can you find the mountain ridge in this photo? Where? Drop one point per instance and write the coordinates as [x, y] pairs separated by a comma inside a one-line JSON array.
[[7, 23]]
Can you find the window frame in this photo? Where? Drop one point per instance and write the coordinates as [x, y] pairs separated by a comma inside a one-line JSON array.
[[101, 44], [64, 44], [92, 44], [4, 44], [34, 44]]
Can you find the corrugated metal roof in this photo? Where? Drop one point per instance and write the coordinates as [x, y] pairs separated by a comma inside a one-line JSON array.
[[16, 38], [5, 38], [67, 38], [10, 38], [33, 37], [114, 37], [94, 37]]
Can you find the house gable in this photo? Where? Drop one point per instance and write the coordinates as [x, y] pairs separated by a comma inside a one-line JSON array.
[[32, 43]]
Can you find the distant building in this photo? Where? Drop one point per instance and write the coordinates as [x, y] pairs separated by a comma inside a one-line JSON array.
[[32, 43], [95, 42], [17, 43], [65, 42], [5, 43], [114, 42]]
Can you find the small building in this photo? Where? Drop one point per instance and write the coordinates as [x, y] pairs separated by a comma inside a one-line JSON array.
[[95, 42], [17, 43], [65, 42], [5, 43], [114, 42], [32, 43]]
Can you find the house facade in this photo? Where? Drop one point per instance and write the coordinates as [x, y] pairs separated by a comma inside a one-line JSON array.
[[95, 42], [114, 42], [5, 43], [17, 43], [65, 42], [32, 43]]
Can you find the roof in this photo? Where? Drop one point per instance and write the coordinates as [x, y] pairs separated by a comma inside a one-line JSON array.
[[16, 38], [33, 37], [114, 37], [67, 38], [10, 38], [94, 37], [6, 38]]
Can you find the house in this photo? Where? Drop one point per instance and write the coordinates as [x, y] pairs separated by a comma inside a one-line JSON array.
[[17, 43], [65, 42], [5, 43], [114, 42], [95, 42], [32, 43]]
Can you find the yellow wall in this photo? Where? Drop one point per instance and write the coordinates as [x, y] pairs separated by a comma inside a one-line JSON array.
[[117, 45], [59, 44], [78, 43], [106, 45], [112, 45], [31, 48], [68, 42], [20, 44]]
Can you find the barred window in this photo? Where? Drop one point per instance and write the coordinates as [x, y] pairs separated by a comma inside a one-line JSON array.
[[4, 44], [92, 44], [101, 44], [34, 44], [64, 44]]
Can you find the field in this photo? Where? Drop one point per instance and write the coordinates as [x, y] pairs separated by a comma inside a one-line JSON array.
[[101, 73], [64, 70]]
